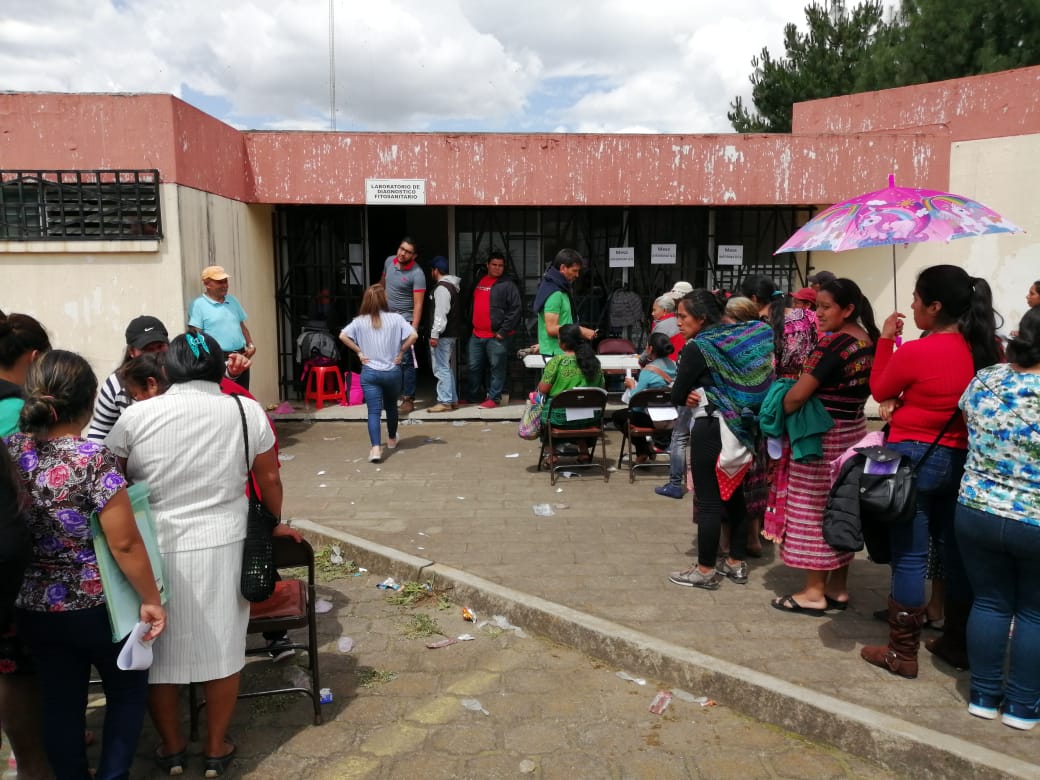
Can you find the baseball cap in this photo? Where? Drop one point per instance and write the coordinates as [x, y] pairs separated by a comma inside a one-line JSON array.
[[805, 294], [440, 262], [679, 289], [214, 272], [145, 330], [821, 277]]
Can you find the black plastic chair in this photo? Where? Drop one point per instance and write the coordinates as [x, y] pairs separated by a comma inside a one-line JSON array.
[[652, 398], [593, 399], [291, 606]]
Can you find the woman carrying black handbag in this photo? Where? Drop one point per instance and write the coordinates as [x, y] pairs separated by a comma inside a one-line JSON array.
[[187, 444], [919, 385]]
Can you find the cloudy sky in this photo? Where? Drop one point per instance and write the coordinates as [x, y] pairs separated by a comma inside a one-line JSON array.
[[406, 65]]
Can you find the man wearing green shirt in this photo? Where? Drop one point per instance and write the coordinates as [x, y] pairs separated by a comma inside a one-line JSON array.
[[554, 302]]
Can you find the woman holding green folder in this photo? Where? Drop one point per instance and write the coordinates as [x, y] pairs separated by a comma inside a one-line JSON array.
[[60, 609]]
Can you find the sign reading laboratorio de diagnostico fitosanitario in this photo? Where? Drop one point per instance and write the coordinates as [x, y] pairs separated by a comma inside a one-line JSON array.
[[395, 192]]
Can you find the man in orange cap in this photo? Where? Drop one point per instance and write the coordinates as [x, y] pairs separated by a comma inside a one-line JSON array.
[[219, 314]]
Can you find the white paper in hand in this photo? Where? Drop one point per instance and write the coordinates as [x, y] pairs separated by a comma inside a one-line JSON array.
[[136, 654]]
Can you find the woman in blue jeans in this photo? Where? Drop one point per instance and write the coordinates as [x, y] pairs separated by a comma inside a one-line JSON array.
[[381, 339], [61, 610], [919, 385], [998, 528]]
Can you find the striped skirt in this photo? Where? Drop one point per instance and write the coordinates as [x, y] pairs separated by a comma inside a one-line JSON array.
[[808, 486], [206, 617]]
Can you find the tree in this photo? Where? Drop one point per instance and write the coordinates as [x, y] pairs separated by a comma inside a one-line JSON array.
[[973, 38], [831, 58], [926, 40]]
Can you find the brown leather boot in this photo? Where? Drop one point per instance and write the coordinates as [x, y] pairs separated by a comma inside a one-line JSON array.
[[952, 646], [899, 656]]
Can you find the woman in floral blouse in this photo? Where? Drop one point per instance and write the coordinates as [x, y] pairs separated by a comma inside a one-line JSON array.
[[60, 611], [998, 527]]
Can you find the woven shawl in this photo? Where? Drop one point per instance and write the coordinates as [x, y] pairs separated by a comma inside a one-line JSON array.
[[740, 358]]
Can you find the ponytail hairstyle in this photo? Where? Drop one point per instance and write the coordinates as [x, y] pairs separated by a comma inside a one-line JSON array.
[[572, 341], [59, 388], [763, 291], [194, 356], [847, 293], [1024, 349], [20, 333], [704, 305], [967, 302], [661, 345]]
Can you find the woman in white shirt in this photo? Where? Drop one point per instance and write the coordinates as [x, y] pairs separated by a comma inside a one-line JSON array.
[[381, 339], [187, 444]]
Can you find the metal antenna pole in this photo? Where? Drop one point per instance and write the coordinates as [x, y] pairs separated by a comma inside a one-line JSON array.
[[332, 64]]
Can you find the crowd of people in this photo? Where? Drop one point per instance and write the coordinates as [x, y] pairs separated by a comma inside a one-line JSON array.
[[161, 420], [769, 390]]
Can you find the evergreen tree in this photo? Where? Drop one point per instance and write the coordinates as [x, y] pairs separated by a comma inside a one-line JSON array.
[[973, 38], [829, 59]]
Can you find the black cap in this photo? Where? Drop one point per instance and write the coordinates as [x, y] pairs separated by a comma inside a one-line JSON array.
[[145, 330]]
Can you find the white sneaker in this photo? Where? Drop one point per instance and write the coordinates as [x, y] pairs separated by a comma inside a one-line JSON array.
[[376, 455]]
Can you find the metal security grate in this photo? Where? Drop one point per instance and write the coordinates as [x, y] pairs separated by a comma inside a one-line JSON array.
[[115, 205]]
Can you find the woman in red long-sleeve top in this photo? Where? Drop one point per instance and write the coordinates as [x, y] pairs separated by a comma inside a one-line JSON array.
[[919, 386]]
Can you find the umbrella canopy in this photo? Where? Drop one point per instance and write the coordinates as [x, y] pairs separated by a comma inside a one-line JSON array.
[[896, 215]]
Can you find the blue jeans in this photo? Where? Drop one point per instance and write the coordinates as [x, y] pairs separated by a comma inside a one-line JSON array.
[[490, 357], [65, 645], [1004, 570], [442, 370], [408, 375], [680, 443], [938, 480], [382, 389]]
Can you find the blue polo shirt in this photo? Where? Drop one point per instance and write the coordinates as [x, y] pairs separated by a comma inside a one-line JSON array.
[[222, 321]]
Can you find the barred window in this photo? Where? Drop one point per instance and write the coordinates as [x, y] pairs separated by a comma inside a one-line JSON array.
[[114, 205]]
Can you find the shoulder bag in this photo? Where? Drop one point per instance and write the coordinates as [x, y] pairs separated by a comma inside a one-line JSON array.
[[888, 484], [258, 573]]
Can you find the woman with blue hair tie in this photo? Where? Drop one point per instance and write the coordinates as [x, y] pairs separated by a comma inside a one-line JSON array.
[[187, 444]]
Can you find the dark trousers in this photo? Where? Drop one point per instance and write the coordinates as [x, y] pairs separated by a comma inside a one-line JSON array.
[[705, 446], [65, 645]]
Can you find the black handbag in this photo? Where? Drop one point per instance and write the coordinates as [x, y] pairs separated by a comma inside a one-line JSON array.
[[258, 572], [891, 499]]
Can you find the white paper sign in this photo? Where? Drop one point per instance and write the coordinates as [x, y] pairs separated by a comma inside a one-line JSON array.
[[662, 413], [580, 413], [731, 254], [622, 256], [395, 192], [662, 254]]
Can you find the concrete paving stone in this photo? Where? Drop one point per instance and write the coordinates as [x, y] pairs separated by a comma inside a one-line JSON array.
[[537, 738], [426, 764], [729, 761], [563, 764], [469, 736], [638, 766], [393, 740], [350, 767]]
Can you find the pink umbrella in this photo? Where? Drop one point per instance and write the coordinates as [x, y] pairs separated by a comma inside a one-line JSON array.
[[896, 215]]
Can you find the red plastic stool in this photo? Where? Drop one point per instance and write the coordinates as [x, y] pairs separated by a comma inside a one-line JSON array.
[[319, 378]]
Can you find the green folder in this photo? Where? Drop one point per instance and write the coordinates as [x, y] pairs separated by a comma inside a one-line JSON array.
[[122, 601]]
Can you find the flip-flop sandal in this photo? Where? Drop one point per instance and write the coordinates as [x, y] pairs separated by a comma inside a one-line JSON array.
[[788, 604], [216, 766], [832, 603]]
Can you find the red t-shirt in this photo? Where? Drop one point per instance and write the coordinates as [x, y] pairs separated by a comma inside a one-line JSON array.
[[482, 308], [929, 375]]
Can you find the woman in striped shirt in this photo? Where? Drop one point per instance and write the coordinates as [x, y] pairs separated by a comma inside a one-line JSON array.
[[381, 339]]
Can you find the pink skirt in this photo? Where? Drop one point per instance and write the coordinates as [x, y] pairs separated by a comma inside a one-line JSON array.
[[808, 486]]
